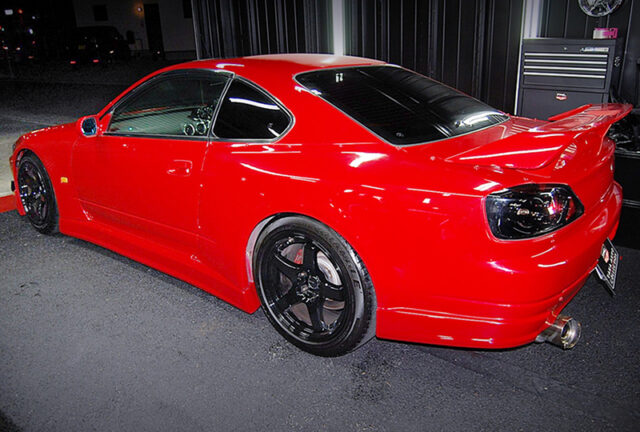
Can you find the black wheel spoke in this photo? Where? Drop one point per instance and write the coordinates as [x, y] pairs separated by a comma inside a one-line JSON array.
[[287, 268], [36, 194], [287, 300], [30, 174], [39, 208], [316, 314], [32, 192], [330, 291], [310, 257]]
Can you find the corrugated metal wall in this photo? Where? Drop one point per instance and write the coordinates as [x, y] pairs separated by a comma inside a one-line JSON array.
[[231, 28], [565, 19]]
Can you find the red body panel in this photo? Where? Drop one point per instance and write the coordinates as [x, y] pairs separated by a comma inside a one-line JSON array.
[[415, 215]]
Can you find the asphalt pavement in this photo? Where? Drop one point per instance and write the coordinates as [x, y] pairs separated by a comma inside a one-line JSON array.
[[90, 340]]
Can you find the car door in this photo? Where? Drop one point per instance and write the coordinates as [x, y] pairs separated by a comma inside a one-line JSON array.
[[247, 127], [142, 174]]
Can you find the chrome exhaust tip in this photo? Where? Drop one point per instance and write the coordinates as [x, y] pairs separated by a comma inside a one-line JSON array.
[[565, 332]]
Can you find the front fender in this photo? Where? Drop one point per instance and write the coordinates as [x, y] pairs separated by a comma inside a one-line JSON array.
[[52, 145]]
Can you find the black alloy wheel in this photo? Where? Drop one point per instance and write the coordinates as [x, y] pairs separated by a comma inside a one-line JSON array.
[[313, 287], [36, 194]]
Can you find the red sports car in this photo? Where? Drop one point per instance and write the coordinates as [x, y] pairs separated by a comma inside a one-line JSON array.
[[348, 197]]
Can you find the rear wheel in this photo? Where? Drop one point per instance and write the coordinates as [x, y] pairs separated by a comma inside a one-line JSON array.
[[36, 194], [313, 287]]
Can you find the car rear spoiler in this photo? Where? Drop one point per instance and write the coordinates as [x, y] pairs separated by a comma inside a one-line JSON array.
[[537, 147]]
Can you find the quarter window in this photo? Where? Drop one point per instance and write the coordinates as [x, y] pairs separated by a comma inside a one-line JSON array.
[[180, 105], [247, 113]]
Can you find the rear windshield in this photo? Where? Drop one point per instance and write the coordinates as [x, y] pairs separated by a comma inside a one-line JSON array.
[[400, 106]]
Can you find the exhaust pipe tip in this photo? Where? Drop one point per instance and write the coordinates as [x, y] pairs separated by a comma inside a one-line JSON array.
[[564, 332]]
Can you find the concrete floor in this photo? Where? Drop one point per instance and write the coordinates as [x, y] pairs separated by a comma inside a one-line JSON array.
[[90, 340], [6, 140]]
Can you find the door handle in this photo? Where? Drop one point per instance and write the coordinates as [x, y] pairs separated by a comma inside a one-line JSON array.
[[180, 168]]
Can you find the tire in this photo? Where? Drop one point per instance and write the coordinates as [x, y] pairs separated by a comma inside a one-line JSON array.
[[313, 287], [37, 195]]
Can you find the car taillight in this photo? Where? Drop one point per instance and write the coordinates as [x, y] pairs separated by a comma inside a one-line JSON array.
[[531, 210]]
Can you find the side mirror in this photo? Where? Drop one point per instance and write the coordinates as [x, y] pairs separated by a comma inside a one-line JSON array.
[[88, 126]]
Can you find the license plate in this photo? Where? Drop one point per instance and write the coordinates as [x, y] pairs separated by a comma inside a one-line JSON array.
[[607, 267]]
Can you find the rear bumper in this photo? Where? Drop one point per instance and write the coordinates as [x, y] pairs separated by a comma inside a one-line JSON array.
[[544, 285], [518, 324]]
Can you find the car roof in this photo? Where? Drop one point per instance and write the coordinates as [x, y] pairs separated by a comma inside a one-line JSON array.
[[293, 62], [270, 69]]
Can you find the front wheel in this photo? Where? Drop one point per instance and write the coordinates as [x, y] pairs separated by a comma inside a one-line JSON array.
[[36, 194], [313, 287]]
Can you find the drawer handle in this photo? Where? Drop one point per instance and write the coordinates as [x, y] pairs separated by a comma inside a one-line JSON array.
[[561, 96]]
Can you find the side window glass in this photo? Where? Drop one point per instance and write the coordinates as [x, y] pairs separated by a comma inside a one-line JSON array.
[[247, 113], [180, 105]]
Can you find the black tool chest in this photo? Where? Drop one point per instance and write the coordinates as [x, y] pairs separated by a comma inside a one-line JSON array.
[[557, 75]]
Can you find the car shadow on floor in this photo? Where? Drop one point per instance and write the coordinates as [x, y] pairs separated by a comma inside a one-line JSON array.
[[156, 274], [6, 425]]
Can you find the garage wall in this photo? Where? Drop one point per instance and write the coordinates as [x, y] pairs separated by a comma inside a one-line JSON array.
[[121, 15], [472, 45], [231, 28], [128, 15], [565, 19]]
